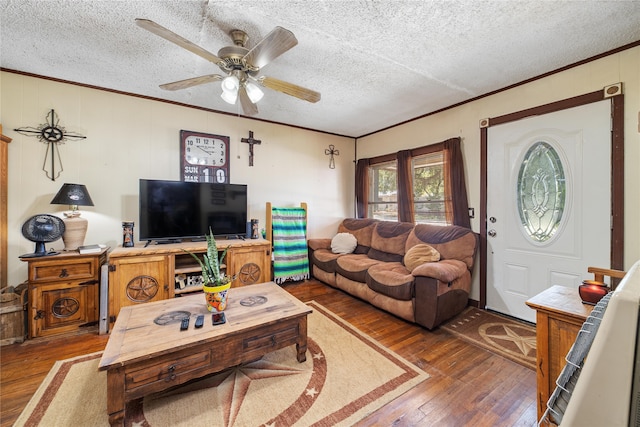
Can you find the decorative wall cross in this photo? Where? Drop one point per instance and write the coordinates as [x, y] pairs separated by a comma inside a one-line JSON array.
[[53, 134], [332, 152], [251, 141]]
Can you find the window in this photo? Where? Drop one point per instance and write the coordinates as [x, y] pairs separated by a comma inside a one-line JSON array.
[[429, 189], [383, 191], [422, 185]]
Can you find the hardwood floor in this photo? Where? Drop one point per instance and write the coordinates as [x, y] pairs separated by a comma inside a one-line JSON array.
[[468, 386]]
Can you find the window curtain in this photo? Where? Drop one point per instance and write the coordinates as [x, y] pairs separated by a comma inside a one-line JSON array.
[[456, 190], [405, 187], [362, 188]]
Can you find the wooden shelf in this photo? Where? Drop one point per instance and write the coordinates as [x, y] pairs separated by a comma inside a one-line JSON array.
[[185, 270], [187, 290]]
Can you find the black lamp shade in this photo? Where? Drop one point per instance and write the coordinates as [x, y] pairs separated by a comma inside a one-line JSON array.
[[73, 194]]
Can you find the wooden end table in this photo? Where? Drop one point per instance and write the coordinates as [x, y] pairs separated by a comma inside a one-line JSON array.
[[147, 352], [560, 314]]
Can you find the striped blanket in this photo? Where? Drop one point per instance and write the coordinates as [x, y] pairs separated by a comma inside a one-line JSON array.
[[290, 256]]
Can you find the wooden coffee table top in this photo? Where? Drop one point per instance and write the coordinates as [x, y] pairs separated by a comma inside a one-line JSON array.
[[142, 332]]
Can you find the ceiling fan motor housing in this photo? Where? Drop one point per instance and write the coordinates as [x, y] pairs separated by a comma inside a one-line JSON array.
[[233, 57]]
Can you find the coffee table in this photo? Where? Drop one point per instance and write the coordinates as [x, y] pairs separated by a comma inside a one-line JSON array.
[[147, 352]]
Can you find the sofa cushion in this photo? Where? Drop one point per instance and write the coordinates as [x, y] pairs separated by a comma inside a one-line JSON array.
[[453, 242], [391, 279], [354, 266], [446, 271], [388, 241], [343, 243], [361, 228], [419, 254], [325, 259], [315, 244]]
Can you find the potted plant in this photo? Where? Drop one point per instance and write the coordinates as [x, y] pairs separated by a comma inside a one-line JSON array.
[[216, 283]]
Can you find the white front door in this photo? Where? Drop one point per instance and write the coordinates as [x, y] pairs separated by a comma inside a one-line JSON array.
[[548, 204]]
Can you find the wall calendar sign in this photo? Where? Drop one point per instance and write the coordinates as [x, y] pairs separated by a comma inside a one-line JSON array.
[[204, 157]]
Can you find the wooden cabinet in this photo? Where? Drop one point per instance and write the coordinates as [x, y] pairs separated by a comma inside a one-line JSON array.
[[139, 279], [63, 292], [250, 265], [144, 274], [559, 316]]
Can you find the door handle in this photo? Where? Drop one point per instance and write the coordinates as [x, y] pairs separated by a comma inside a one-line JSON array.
[[492, 233]]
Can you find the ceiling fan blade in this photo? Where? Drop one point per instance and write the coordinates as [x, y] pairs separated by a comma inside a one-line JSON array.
[[195, 81], [169, 35], [289, 89], [277, 42], [249, 108]]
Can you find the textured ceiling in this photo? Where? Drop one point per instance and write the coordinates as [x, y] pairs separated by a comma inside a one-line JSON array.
[[376, 63]]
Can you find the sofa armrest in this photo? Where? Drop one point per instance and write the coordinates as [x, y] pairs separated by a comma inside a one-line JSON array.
[[315, 244], [447, 270]]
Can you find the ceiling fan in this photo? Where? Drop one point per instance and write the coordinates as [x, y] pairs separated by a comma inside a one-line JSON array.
[[240, 65]]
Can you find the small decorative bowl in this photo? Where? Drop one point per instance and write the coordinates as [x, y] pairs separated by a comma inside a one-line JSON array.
[[591, 291]]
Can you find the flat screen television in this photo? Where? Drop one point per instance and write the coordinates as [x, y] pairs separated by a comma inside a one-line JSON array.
[[176, 210]]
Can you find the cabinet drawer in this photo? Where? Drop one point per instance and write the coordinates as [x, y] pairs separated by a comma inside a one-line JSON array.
[[164, 374], [76, 270], [263, 343]]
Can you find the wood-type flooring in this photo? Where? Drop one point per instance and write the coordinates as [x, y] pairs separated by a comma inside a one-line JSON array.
[[468, 386]]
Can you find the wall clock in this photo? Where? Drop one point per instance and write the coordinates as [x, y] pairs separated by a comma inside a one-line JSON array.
[[204, 157]]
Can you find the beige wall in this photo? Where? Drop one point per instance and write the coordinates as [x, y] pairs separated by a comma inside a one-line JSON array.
[[130, 138], [464, 121]]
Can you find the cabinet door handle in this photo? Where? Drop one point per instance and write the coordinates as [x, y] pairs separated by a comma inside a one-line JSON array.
[[63, 273]]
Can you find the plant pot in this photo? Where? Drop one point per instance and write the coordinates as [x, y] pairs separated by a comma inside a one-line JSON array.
[[216, 297]]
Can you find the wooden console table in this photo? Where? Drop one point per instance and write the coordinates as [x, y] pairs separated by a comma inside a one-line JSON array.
[[559, 316]]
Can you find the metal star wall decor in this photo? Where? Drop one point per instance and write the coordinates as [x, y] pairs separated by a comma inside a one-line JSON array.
[[331, 151], [51, 133]]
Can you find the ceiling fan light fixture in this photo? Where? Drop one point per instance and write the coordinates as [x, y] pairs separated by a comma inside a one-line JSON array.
[[229, 97], [254, 92], [230, 84]]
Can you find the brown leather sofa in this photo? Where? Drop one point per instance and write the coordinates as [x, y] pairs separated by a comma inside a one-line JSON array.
[[384, 269]]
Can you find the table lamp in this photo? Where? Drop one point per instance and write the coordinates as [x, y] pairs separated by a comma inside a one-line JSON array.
[[73, 195]]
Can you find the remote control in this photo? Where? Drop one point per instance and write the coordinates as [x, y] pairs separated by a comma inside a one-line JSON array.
[[184, 325], [199, 321]]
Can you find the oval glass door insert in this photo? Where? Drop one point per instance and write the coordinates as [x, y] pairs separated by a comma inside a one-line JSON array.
[[541, 192]]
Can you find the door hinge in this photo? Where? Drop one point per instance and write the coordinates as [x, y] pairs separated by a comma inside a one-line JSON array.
[[112, 319], [112, 267]]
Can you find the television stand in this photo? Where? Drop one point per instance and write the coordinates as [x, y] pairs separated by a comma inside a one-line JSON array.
[[168, 241], [156, 272]]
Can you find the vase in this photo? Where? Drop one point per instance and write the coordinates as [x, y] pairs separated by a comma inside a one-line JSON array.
[[216, 297]]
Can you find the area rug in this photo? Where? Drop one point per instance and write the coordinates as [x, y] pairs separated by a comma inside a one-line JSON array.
[[499, 334], [347, 376]]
